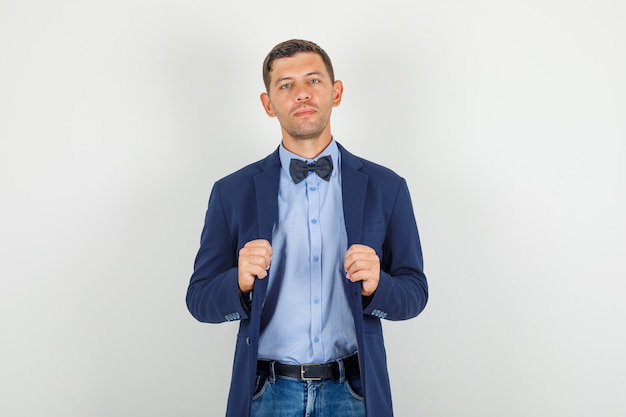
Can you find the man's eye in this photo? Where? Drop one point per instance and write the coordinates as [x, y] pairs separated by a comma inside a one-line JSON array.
[[284, 86], [314, 81]]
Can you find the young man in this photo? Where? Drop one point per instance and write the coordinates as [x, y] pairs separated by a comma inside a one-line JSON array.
[[308, 249]]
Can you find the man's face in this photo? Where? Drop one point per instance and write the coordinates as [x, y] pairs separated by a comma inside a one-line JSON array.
[[301, 95]]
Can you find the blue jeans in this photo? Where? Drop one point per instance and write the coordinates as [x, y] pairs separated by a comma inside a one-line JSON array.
[[290, 397]]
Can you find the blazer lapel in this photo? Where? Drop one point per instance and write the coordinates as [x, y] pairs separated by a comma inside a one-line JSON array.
[[266, 187], [353, 187]]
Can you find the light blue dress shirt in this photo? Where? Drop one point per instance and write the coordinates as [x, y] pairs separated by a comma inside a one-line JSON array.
[[306, 317]]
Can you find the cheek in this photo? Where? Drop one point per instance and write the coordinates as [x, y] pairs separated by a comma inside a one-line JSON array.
[[279, 108]]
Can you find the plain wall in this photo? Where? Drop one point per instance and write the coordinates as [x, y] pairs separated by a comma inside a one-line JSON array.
[[507, 118]]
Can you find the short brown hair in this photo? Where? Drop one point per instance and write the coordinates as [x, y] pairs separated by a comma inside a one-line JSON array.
[[290, 48]]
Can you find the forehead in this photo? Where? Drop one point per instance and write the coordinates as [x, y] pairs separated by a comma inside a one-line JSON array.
[[299, 65]]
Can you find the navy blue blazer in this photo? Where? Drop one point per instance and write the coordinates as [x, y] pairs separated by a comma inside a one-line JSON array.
[[378, 213]]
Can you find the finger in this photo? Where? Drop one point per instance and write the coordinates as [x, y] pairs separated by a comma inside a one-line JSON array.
[[258, 271], [260, 243], [255, 253], [254, 264], [355, 276], [362, 271], [358, 251], [358, 248], [359, 261], [251, 250]]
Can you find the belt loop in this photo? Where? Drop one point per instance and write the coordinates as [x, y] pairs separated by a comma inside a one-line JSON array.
[[272, 376], [342, 370]]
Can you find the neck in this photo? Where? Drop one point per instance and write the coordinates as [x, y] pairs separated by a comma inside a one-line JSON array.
[[307, 148]]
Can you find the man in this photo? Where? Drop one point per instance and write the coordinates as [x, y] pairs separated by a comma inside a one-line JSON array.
[[308, 249]]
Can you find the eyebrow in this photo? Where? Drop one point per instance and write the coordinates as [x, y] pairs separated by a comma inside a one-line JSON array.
[[280, 80]]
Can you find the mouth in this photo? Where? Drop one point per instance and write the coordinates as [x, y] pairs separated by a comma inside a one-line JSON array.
[[305, 111]]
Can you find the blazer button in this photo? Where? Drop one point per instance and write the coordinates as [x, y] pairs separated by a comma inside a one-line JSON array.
[[248, 340]]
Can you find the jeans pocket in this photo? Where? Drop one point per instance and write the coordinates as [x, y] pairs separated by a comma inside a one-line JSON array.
[[259, 386], [354, 387]]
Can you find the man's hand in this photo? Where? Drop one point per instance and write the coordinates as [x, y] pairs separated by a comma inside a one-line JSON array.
[[254, 261], [362, 264]]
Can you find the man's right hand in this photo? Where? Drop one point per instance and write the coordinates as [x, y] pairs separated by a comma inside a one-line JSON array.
[[254, 261]]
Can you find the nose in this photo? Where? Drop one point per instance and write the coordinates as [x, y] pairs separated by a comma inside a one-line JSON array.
[[303, 95]]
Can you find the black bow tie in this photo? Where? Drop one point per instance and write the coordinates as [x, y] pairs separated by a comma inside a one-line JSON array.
[[300, 169]]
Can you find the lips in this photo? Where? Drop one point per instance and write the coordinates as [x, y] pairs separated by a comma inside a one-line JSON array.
[[307, 111]]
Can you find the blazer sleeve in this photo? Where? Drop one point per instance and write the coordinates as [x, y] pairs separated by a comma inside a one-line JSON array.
[[402, 291], [213, 294]]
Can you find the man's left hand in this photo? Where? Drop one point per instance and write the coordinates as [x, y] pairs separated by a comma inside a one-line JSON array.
[[362, 264]]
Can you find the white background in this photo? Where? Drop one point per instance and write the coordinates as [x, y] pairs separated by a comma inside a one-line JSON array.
[[507, 118]]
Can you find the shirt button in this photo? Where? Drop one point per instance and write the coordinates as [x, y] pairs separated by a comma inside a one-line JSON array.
[[314, 221], [316, 259], [316, 339], [312, 188], [316, 301]]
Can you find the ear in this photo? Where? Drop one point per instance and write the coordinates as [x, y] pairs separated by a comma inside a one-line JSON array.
[[337, 92], [267, 105]]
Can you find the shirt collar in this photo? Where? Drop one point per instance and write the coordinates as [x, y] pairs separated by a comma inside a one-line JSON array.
[[332, 150]]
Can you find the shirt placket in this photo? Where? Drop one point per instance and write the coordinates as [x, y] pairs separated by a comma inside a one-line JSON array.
[[315, 262]]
